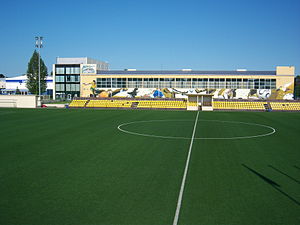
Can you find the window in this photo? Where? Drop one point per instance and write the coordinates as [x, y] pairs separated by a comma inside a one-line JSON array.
[[273, 83], [183, 83], [59, 70], [256, 83], [104, 82], [68, 70], [76, 70], [139, 83], [261, 83], [74, 87], [222, 83], [166, 82], [211, 83], [245, 84], [60, 87], [228, 83], [233, 83], [268, 84], [217, 83], [146, 83], [239, 83], [250, 84], [68, 87], [73, 78], [77, 87], [121, 82], [179, 82], [59, 78], [72, 70]]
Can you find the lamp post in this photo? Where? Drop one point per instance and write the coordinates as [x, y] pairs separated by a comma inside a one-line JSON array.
[[39, 45]]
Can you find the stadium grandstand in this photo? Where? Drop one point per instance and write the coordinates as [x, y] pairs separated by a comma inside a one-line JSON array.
[[90, 83], [84, 77]]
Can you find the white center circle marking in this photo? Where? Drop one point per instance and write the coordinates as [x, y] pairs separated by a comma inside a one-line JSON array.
[[272, 130]]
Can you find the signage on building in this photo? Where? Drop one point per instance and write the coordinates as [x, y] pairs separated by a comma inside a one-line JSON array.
[[88, 68]]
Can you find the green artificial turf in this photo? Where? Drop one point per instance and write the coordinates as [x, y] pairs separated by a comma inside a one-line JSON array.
[[73, 166]]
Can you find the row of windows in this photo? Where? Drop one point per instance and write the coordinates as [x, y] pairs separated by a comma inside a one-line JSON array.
[[186, 83], [67, 87], [67, 70], [67, 78]]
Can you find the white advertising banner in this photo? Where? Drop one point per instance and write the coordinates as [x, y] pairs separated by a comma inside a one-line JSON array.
[[88, 68]]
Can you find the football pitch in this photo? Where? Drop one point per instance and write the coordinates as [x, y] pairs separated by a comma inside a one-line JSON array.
[[113, 167]]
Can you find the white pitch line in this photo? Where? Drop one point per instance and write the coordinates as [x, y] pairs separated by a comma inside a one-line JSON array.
[[197, 138], [175, 221]]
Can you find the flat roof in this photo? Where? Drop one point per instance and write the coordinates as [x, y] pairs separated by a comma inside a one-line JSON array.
[[180, 72]]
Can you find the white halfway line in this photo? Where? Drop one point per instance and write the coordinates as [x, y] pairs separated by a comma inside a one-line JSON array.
[[175, 221]]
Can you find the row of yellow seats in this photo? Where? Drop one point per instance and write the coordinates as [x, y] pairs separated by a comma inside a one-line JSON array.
[[114, 101], [106, 103], [285, 106], [161, 104], [107, 106], [78, 103], [164, 102], [239, 105]]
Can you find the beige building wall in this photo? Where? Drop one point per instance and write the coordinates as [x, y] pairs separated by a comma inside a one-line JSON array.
[[18, 101], [285, 70]]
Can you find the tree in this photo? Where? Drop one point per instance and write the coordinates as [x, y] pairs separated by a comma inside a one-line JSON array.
[[33, 74]]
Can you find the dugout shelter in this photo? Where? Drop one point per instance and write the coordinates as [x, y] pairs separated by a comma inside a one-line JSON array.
[[203, 102]]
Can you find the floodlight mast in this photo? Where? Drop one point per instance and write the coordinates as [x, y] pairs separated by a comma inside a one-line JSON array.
[[39, 45]]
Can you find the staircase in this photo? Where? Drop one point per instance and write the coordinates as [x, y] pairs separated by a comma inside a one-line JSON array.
[[134, 105], [87, 102]]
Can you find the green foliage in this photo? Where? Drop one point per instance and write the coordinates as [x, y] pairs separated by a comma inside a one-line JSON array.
[[297, 87], [33, 74]]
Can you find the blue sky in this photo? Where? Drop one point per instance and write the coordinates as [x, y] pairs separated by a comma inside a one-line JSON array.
[[153, 34]]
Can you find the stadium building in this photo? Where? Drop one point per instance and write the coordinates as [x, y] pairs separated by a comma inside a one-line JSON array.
[[84, 77], [10, 85], [68, 72]]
